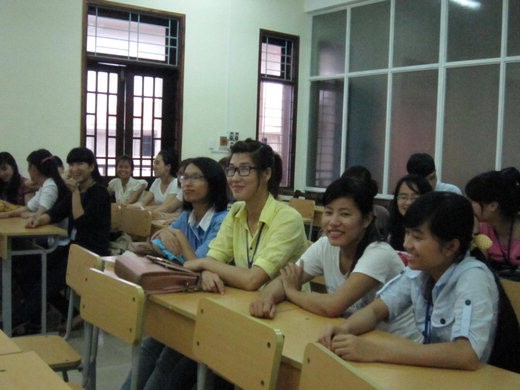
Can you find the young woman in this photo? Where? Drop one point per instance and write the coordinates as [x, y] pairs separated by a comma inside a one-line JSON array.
[[124, 187], [204, 187], [260, 234], [454, 296], [87, 207], [14, 188], [44, 173], [163, 194], [351, 257], [407, 190], [495, 198]]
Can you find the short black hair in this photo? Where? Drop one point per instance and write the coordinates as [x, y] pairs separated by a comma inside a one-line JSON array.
[[421, 164], [217, 183]]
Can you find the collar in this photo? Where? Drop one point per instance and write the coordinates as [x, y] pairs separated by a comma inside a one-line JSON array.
[[204, 222], [266, 215]]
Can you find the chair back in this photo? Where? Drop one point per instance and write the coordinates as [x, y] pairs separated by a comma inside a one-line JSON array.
[[322, 369], [241, 348], [304, 206], [80, 260], [136, 222], [512, 289], [115, 216], [113, 305]]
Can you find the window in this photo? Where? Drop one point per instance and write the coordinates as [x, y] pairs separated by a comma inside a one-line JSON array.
[[133, 86], [411, 76], [277, 89]]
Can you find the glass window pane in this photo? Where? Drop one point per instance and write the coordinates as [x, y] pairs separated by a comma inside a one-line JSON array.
[[474, 29], [414, 110], [419, 19], [513, 36], [511, 145], [324, 146], [328, 44], [470, 123], [369, 30], [366, 123]]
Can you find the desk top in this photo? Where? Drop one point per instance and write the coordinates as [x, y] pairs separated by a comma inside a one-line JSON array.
[[26, 370], [7, 345], [186, 303], [15, 227]]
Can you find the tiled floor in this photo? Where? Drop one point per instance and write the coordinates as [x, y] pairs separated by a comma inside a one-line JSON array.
[[113, 360]]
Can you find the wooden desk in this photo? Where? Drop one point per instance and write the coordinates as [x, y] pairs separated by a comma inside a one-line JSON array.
[[11, 228], [27, 371], [170, 318], [318, 212], [7, 345]]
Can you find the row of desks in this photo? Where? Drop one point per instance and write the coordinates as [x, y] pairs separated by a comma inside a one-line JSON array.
[[170, 318]]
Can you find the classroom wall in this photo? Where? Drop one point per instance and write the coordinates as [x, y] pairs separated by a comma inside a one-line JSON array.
[[41, 79]]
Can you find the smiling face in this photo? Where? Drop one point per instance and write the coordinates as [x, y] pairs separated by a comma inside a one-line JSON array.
[[406, 196], [194, 185], [246, 187], [124, 170], [159, 167], [343, 223], [427, 253], [81, 172], [6, 173]]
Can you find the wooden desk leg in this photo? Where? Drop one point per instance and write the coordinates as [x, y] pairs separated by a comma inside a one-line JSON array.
[[7, 309]]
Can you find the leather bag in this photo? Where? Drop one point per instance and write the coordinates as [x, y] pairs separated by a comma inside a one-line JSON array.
[[156, 275]]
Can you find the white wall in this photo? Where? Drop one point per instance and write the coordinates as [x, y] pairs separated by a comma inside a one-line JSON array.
[[41, 79]]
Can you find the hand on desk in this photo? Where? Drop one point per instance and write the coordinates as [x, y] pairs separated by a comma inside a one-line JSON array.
[[354, 348], [263, 308], [211, 282]]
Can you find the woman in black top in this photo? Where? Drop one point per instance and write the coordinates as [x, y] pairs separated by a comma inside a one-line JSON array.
[[87, 206]]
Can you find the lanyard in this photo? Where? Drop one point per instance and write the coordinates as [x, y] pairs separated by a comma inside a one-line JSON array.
[[428, 324], [250, 260]]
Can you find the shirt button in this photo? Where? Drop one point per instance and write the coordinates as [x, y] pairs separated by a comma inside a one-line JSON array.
[[467, 302], [443, 321]]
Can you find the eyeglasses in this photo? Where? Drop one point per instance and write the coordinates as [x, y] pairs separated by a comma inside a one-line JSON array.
[[406, 197], [243, 170], [193, 178]]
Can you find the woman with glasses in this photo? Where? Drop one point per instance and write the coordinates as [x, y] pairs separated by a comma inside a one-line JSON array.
[[407, 190], [205, 202], [260, 234]]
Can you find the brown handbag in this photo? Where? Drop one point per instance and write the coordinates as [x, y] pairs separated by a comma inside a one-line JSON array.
[[156, 275]]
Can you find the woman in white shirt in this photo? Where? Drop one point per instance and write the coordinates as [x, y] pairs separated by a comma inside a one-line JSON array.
[[164, 194], [44, 174], [124, 187]]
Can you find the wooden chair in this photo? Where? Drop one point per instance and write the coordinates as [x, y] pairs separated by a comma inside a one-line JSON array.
[[512, 289], [53, 349], [322, 369], [115, 216], [306, 208], [136, 222], [115, 306], [242, 349]]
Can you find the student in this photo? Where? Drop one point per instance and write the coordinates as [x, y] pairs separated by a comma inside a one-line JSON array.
[[351, 257], [124, 187], [454, 296], [260, 234], [43, 172], [87, 207], [162, 196], [205, 203], [381, 214], [14, 188], [422, 164], [407, 190], [495, 198]]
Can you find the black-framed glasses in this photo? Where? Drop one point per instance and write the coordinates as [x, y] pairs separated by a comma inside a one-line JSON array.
[[243, 170], [194, 178]]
